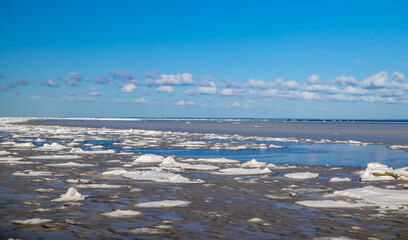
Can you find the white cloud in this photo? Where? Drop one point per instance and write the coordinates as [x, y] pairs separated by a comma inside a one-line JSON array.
[[321, 88], [277, 84], [184, 103], [73, 79], [50, 83], [128, 88], [236, 105], [207, 90], [169, 79], [284, 85], [259, 84], [93, 92], [35, 97], [398, 76], [140, 100], [313, 80], [378, 80], [310, 96], [232, 92], [190, 92], [126, 77], [167, 89], [101, 80], [345, 81], [357, 60], [356, 91]]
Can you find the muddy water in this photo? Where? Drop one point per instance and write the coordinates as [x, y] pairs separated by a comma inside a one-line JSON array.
[[219, 208]]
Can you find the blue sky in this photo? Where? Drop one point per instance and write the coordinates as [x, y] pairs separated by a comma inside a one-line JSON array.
[[278, 59]]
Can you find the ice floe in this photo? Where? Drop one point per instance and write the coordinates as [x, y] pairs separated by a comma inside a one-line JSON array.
[[149, 158], [32, 173], [398, 147], [122, 214], [70, 164], [4, 153], [55, 157], [337, 179], [254, 164], [80, 151], [72, 195], [100, 186], [375, 195], [217, 160], [255, 220], [332, 204], [33, 221], [243, 171], [164, 204], [302, 175], [156, 175], [381, 172], [52, 147]]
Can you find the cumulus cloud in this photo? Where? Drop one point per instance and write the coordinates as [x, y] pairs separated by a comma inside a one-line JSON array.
[[126, 77], [153, 79], [259, 84], [355, 91], [321, 88], [101, 79], [190, 92], [50, 83], [21, 82], [277, 84], [140, 100], [232, 92], [207, 90], [184, 103], [167, 89], [313, 80], [128, 88], [310, 96], [73, 79], [93, 92], [398, 76], [345, 81], [378, 80]]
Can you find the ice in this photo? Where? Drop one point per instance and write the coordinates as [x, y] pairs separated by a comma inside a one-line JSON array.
[[100, 186], [70, 164], [149, 158], [375, 195], [243, 171], [115, 172], [398, 147], [3, 153], [141, 231], [158, 176], [336, 179], [56, 157], [52, 147], [381, 172], [33, 221], [332, 204], [164, 204], [24, 145], [122, 214], [255, 220], [301, 175], [199, 167], [80, 151], [169, 162], [10, 159], [72, 195], [32, 173], [217, 160], [254, 164]]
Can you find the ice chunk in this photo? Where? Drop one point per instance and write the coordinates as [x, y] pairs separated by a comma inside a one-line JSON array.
[[100, 186], [158, 176], [169, 162], [32, 173], [254, 164], [217, 160], [377, 172], [6, 159], [149, 158], [72, 195], [398, 147], [332, 204], [164, 204], [301, 175], [56, 157], [336, 179], [80, 151], [243, 171], [24, 145], [70, 164], [375, 195], [33, 221], [122, 214], [51, 147], [255, 220], [3, 153]]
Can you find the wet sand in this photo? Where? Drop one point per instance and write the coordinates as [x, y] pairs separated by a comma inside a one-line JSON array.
[[380, 133]]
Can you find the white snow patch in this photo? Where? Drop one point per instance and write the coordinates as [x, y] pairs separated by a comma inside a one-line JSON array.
[[80, 151], [332, 204], [149, 158], [72, 195], [336, 179], [243, 171], [56, 157], [254, 164], [122, 214], [33, 221], [302, 175], [70, 164], [164, 204], [52, 147]]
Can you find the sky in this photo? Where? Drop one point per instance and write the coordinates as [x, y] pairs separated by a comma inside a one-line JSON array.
[[204, 59]]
